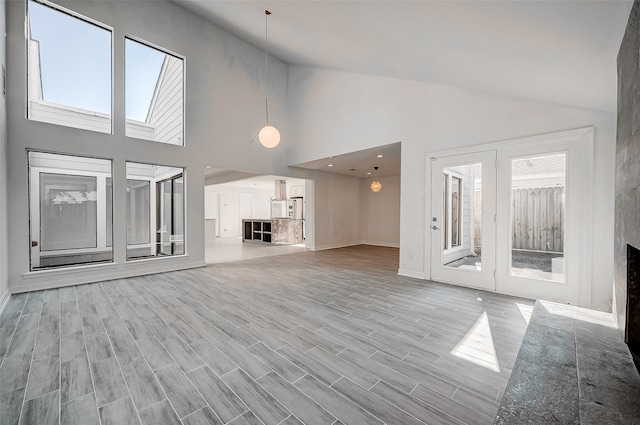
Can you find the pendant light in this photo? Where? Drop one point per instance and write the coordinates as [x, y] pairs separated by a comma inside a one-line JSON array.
[[376, 186], [269, 136]]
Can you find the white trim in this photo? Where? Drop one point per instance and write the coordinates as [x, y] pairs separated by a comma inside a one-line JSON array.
[[383, 244], [585, 135], [586, 274], [411, 273], [335, 246], [49, 279]]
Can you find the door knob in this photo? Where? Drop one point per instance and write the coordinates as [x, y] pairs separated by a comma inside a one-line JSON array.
[[435, 228]]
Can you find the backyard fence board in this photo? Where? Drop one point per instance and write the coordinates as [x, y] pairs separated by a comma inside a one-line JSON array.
[[537, 219]]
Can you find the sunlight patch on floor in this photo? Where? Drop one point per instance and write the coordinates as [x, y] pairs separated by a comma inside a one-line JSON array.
[[526, 311], [477, 345]]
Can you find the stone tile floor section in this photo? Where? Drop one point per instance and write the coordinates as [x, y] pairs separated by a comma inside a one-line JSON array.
[[330, 337], [573, 368]]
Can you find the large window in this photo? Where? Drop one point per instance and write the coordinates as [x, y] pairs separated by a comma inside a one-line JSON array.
[[155, 211], [69, 69], [70, 209], [154, 95]]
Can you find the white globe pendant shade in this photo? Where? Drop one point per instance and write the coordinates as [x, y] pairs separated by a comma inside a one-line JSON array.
[[376, 186], [269, 136]]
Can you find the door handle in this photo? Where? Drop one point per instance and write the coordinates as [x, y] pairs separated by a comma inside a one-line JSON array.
[[435, 228]]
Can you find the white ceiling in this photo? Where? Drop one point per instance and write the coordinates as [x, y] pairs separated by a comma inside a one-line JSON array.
[[254, 182], [561, 52], [361, 163]]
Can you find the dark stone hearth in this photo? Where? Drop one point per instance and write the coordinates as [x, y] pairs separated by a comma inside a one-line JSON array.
[[572, 368]]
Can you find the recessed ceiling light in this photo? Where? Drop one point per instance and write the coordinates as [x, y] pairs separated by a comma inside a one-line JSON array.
[[330, 165], [369, 173], [208, 166], [380, 156]]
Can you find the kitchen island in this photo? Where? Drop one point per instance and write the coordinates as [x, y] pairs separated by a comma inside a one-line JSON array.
[[277, 231]]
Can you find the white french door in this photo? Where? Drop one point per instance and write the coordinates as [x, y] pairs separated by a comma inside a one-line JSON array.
[[463, 208], [515, 219], [541, 223]]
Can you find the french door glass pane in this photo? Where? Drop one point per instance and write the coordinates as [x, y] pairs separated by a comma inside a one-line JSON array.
[[155, 211], [70, 204], [537, 216], [68, 212], [462, 217], [138, 207]]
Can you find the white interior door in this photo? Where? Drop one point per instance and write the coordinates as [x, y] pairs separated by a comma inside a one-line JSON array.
[[462, 222]]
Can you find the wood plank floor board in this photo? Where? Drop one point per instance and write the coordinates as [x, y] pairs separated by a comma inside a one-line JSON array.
[[81, 411], [310, 365], [43, 410], [96, 338], [142, 384], [75, 379], [159, 413], [24, 336], [204, 416], [384, 373], [11, 406], [371, 402], [295, 400], [182, 354], [214, 358], [260, 341], [120, 412], [418, 408], [460, 411], [109, 382], [224, 402], [260, 402], [155, 353], [335, 403], [183, 396], [277, 362], [44, 377], [247, 419], [15, 372]]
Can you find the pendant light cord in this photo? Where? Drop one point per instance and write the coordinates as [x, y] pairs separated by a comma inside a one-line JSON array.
[[266, 63]]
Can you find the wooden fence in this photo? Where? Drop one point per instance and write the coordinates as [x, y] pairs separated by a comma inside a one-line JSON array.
[[538, 219]]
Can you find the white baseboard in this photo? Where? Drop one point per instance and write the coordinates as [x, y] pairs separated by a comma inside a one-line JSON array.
[[383, 244], [335, 246], [412, 273], [68, 277], [601, 307]]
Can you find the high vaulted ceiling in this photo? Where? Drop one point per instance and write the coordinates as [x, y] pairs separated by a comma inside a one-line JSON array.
[[561, 52]]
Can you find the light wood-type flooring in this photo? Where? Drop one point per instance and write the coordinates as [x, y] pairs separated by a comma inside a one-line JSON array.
[[330, 337]]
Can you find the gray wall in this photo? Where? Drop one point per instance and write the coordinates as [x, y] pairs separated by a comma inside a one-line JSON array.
[[627, 223], [224, 110], [4, 285]]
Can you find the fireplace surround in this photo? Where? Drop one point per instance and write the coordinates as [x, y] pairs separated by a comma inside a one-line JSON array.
[[632, 328]]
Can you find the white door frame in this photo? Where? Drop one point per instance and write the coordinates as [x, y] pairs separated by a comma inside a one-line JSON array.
[[582, 139], [484, 278]]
